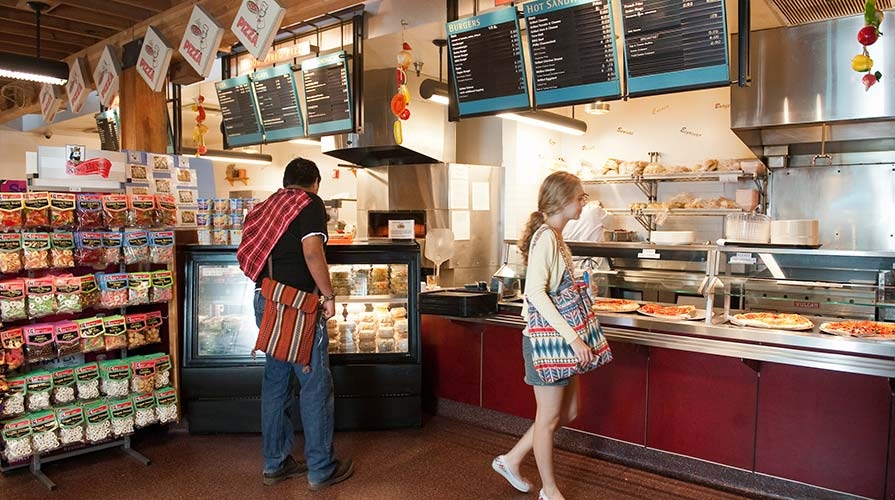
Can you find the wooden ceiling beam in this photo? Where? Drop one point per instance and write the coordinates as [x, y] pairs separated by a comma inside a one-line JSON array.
[[76, 41], [12, 45], [50, 23], [89, 18], [154, 5], [106, 7], [45, 45]]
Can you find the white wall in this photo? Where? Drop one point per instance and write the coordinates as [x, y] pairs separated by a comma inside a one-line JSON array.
[[15, 144]]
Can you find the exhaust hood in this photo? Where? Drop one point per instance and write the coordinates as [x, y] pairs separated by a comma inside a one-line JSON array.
[[804, 96], [428, 137]]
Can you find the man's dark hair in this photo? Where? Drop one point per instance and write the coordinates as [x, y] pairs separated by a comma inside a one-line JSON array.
[[301, 172]]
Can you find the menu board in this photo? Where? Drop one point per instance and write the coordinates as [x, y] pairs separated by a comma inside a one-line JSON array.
[[328, 94], [107, 126], [674, 45], [572, 51], [486, 63], [241, 124], [277, 101]]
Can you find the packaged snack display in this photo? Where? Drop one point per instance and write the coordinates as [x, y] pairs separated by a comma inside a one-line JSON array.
[[166, 405], [68, 294], [115, 332], [63, 385], [12, 300], [115, 211], [122, 417], [71, 424], [136, 330], [36, 249], [144, 409], [162, 286], [116, 375], [15, 398], [62, 210], [10, 253], [87, 381], [113, 291], [112, 242], [143, 375], [89, 211], [166, 210], [162, 247], [11, 206], [17, 439], [41, 296], [141, 210], [162, 369], [37, 210], [13, 341], [136, 247], [38, 390], [62, 250], [89, 251], [44, 432], [89, 291], [154, 327], [138, 286], [40, 341], [98, 427], [91, 332]]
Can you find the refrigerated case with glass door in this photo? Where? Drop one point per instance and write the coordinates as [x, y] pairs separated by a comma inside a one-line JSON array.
[[373, 339]]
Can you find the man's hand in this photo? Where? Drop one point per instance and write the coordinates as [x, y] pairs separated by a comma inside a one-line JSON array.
[[329, 309]]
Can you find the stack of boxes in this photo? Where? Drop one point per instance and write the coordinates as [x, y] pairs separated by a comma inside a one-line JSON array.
[[220, 220]]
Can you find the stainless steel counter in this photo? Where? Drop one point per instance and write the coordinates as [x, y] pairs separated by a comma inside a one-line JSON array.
[[809, 348]]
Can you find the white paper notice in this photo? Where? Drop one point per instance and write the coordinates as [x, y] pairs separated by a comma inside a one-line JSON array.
[[460, 224], [481, 196], [459, 172], [459, 199]]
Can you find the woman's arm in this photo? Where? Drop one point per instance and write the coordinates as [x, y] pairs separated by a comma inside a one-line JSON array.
[[545, 265]]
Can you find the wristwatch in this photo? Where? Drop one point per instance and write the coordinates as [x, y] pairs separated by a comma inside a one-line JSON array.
[[325, 298]]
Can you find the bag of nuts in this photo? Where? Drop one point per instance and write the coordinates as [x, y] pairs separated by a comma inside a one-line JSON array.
[[143, 379], [136, 330]]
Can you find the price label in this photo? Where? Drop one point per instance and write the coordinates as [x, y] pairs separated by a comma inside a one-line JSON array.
[[742, 258], [649, 253], [728, 177]]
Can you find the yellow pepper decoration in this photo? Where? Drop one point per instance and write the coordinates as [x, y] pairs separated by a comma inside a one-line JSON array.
[[861, 63]]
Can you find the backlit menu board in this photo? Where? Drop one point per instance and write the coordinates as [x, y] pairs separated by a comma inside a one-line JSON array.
[[107, 126], [486, 63], [328, 94], [674, 45], [240, 115], [572, 51], [277, 101]]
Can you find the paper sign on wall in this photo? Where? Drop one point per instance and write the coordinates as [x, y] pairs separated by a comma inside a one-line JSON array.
[[76, 88], [155, 56], [49, 102], [256, 24], [201, 41], [106, 76]]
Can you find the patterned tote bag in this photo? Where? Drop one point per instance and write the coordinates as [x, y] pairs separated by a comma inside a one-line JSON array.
[[554, 359]]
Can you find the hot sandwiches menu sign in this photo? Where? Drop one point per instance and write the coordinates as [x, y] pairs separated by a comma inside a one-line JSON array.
[[106, 76], [76, 88], [49, 102], [155, 55], [200, 41], [256, 24]]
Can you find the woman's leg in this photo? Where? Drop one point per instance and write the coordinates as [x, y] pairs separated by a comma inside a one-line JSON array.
[[551, 412]]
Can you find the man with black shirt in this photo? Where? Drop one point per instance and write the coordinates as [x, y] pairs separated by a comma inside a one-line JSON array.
[[286, 234]]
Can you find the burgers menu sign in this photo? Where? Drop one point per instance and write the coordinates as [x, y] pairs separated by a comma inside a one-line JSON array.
[[49, 102], [256, 24], [76, 88], [106, 76], [155, 55], [200, 41]]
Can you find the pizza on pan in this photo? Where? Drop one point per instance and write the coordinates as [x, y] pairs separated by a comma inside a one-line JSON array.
[[672, 311], [860, 328], [780, 321], [615, 305]]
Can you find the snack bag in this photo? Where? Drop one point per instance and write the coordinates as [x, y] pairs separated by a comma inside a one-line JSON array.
[[91, 332], [166, 405], [136, 330], [89, 211], [161, 247], [162, 286], [41, 294], [68, 294], [116, 375], [17, 439], [115, 332], [11, 253], [154, 327], [89, 292], [122, 417], [89, 248], [39, 389], [15, 398], [113, 291], [71, 424], [98, 428], [138, 286], [141, 211], [44, 432], [37, 210], [40, 342], [12, 300], [144, 409], [115, 210], [11, 207], [12, 341], [136, 247], [63, 385], [62, 210], [166, 210], [87, 381], [62, 250], [36, 248], [112, 247]]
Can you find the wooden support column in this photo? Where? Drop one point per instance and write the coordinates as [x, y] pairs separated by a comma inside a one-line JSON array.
[[142, 115]]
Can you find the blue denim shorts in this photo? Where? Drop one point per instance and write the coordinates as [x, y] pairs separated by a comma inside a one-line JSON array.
[[531, 375]]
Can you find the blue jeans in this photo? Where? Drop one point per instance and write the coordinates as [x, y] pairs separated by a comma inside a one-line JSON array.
[[316, 402]]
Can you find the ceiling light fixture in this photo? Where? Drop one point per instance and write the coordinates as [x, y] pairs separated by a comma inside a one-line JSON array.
[[33, 69], [597, 108], [434, 91], [548, 120], [231, 156]]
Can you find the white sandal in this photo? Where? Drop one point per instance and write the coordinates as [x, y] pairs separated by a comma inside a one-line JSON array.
[[500, 466], [542, 495]]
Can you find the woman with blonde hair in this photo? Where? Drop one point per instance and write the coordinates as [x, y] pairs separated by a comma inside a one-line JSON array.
[[560, 199]]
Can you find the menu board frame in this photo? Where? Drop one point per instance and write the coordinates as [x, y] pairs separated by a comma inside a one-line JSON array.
[[681, 80], [245, 139], [339, 58], [488, 106], [571, 94], [286, 133]]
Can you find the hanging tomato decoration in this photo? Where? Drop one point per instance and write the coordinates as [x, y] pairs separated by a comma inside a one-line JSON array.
[[201, 128], [867, 36], [401, 99]]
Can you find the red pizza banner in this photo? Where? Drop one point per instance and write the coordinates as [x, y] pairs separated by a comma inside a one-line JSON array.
[[106, 75], [201, 41], [155, 56], [256, 24]]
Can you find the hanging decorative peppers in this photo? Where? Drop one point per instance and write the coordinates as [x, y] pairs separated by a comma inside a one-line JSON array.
[[201, 128], [401, 99], [867, 36]]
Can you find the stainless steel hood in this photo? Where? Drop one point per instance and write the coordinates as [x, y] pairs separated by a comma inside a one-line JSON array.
[[427, 135], [804, 92]]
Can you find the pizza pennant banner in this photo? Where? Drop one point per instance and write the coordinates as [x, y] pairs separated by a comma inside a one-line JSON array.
[[201, 41], [106, 75], [50, 102], [77, 85], [256, 24], [155, 56]]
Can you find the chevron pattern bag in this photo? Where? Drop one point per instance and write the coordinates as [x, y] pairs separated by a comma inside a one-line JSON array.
[[553, 357], [288, 323]]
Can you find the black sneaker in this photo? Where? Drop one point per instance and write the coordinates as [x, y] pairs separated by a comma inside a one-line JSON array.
[[290, 468], [344, 469]]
